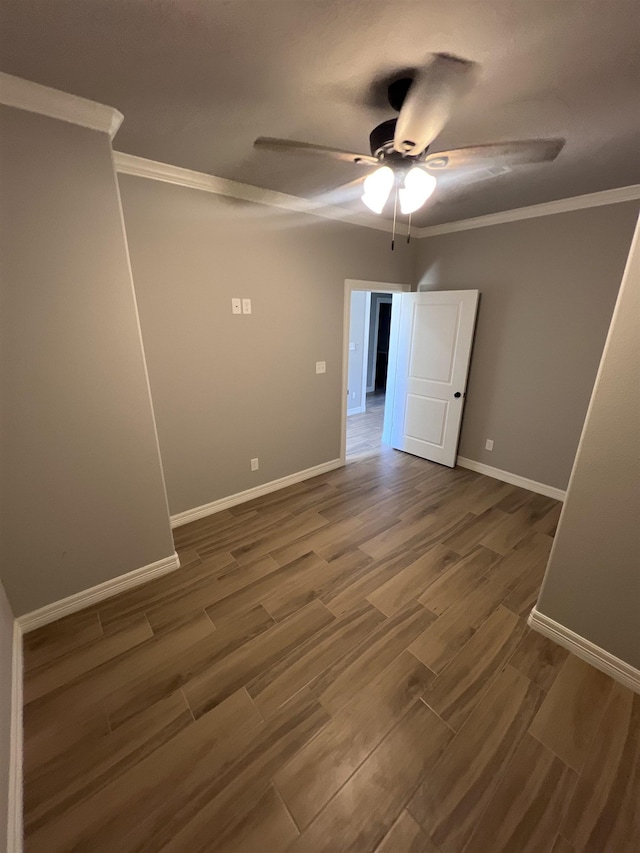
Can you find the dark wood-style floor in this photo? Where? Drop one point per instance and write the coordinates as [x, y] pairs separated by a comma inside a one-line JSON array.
[[341, 666]]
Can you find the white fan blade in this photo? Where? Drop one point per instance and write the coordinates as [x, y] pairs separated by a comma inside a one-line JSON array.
[[429, 102], [291, 146], [496, 154], [345, 193]]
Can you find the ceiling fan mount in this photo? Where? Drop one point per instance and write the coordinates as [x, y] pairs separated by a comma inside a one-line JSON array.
[[397, 91]]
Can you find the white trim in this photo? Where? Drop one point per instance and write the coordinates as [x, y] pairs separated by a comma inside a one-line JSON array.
[[58, 609], [513, 479], [358, 410], [14, 821], [388, 287], [140, 340], [563, 205], [249, 494], [365, 351], [368, 388], [351, 284], [34, 98], [585, 649], [392, 369], [128, 164]]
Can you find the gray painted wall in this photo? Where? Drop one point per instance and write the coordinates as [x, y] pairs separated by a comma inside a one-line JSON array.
[[6, 653], [227, 388], [592, 584], [548, 286], [81, 483]]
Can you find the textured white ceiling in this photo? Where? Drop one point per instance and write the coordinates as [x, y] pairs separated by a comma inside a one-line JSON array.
[[198, 81]]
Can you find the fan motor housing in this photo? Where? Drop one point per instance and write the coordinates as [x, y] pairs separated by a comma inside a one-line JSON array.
[[381, 136], [381, 144]]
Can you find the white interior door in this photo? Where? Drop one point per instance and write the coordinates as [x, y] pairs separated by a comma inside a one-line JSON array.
[[431, 336]]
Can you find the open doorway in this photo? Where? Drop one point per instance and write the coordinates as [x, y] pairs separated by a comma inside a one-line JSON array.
[[379, 331], [423, 365], [368, 307], [369, 328]]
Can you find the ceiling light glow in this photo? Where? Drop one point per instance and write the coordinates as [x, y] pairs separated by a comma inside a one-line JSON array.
[[418, 186], [377, 187]]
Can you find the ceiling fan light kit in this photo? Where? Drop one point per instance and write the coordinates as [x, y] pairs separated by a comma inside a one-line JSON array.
[[399, 147], [414, 188], [377, 187], [418, 186]]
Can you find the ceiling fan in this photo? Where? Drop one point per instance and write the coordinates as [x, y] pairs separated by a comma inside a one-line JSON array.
[[400, 146]]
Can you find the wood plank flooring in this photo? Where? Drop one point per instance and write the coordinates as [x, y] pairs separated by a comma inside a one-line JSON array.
[[364, 430], [340, 666]]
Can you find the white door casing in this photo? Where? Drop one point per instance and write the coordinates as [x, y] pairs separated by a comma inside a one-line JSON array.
[[350, 285], [430, 348]]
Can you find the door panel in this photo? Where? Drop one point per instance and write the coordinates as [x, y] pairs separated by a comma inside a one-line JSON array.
[[433, 348], [430, 351], [425, 419]]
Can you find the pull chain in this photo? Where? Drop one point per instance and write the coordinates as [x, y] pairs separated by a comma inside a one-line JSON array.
[[409, 230], [395, 210]]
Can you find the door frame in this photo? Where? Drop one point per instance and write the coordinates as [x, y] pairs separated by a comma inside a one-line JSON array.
[[351, 284], [362, 402]]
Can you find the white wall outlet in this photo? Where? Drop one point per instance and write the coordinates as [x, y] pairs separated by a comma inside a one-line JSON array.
[[352, 346], [353, 395], [255, 464], [246, 306], [236, 306], [321, 366], [488, 445]]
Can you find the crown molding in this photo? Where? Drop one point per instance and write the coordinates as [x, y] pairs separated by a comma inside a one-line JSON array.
[[128, 164], [563, 205], [34, 98]]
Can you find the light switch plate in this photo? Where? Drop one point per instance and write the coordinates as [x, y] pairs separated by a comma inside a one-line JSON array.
[[236, 306], [321, 366], [488, 445], [246, 306]]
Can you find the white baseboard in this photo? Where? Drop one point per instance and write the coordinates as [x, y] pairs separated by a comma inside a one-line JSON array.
[[585, 649], [14, 824], [358, 410], [249, 494], [58, 609], [513, 479]]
